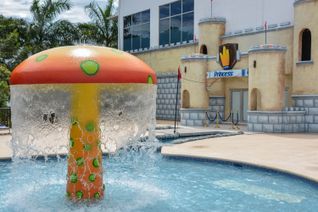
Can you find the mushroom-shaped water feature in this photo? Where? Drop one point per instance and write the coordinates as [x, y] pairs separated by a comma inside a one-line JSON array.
[[74, 83]]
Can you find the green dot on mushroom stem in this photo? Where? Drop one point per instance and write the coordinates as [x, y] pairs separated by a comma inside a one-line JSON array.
[[73, 178], [87, 147], [79, 194], [71, 142], [74, 121], [90, 127], [80, 161], [96, 163], [97, 195], [92, 177]]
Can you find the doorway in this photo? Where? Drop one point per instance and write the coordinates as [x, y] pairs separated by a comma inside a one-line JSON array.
[[239, 103]]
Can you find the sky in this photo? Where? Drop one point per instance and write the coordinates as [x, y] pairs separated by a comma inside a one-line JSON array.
[[20, 9]]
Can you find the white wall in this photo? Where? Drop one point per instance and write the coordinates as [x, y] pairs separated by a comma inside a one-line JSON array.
[[242, 14], [239, 14]]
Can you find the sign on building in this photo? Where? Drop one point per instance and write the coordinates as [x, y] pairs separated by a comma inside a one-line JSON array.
[[228, 74], [228, 55]]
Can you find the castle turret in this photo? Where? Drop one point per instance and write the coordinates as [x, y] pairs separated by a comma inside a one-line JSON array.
[[305, 66], [194, 96], [266, 78], [210, 31]]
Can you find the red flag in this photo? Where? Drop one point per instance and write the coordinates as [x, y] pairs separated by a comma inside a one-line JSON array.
[[179, 73]]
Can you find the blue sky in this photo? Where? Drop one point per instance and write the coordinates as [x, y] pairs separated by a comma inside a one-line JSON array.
[[20, 8]]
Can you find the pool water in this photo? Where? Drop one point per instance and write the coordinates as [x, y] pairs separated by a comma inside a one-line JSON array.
[[140, 180]]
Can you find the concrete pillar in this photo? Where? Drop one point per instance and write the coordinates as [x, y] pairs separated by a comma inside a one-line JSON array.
[[266, 78], [210, 30]]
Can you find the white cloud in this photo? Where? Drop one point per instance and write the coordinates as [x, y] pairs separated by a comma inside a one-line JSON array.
[[20, 9]]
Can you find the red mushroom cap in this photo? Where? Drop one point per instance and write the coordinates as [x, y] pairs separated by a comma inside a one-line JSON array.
[[82, 64]]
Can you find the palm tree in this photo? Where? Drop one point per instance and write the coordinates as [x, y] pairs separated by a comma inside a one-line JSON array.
[[44, 24], [105, 32], [87, 33]]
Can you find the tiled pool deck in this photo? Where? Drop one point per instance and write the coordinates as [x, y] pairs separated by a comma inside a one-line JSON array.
[[291, 153]]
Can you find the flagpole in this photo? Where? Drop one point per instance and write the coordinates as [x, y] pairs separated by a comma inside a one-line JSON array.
[[176, 106], [211, 8], [265, 32]]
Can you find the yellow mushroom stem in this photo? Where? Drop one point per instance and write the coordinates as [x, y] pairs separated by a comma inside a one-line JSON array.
[[85, 173]]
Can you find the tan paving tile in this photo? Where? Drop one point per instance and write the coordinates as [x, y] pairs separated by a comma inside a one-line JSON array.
[[5, 150], [292, 153]]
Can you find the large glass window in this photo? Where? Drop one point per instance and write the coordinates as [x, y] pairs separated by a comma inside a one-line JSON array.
[[137, 31], [176, 22]]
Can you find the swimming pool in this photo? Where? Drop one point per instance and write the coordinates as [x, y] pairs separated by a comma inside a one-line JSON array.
[[143, 180]]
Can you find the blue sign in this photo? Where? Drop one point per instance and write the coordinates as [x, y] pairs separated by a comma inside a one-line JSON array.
[[228, 73]]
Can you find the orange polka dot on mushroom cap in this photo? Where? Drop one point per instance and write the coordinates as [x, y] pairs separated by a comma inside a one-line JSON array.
[[90, 67]]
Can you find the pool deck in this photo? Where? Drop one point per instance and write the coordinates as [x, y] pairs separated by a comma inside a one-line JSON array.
[[295, 154]]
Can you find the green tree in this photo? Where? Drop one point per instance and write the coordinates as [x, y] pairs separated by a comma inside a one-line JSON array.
[[105, 30], [13, 37], [64, 33], [46, 30], [87, 32], [4, 85]]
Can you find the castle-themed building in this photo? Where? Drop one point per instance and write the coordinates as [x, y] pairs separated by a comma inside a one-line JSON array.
[[256, 59]]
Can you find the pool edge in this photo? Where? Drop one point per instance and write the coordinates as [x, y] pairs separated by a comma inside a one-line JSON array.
[[242, 163]]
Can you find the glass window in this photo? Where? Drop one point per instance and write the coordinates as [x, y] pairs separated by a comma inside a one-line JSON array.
[[145, 35], [136, 19], [136, 37], [175, 8], [176, 22], [164, 11], [127, 40], [164, 31], [175, 29], [188, 5], [187, 27], [145, 16], [137, 31], [127, 21]]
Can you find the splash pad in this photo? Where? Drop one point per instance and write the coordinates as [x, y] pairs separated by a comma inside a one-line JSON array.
[[81, 100]]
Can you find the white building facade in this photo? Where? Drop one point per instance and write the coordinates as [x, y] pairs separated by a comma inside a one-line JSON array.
[[150, 19], [250, 59]]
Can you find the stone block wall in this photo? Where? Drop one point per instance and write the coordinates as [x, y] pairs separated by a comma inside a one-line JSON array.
[[277, 122], [217, 104], [166, 96], [193, 117], [309, 103]]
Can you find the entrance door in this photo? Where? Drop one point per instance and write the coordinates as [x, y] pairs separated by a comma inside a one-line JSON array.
[[239, 104]]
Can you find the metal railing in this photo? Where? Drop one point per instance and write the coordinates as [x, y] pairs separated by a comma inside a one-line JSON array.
[[5, 117], [218, 117]]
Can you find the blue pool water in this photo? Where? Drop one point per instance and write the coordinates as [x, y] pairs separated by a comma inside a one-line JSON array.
[[145, 181]]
